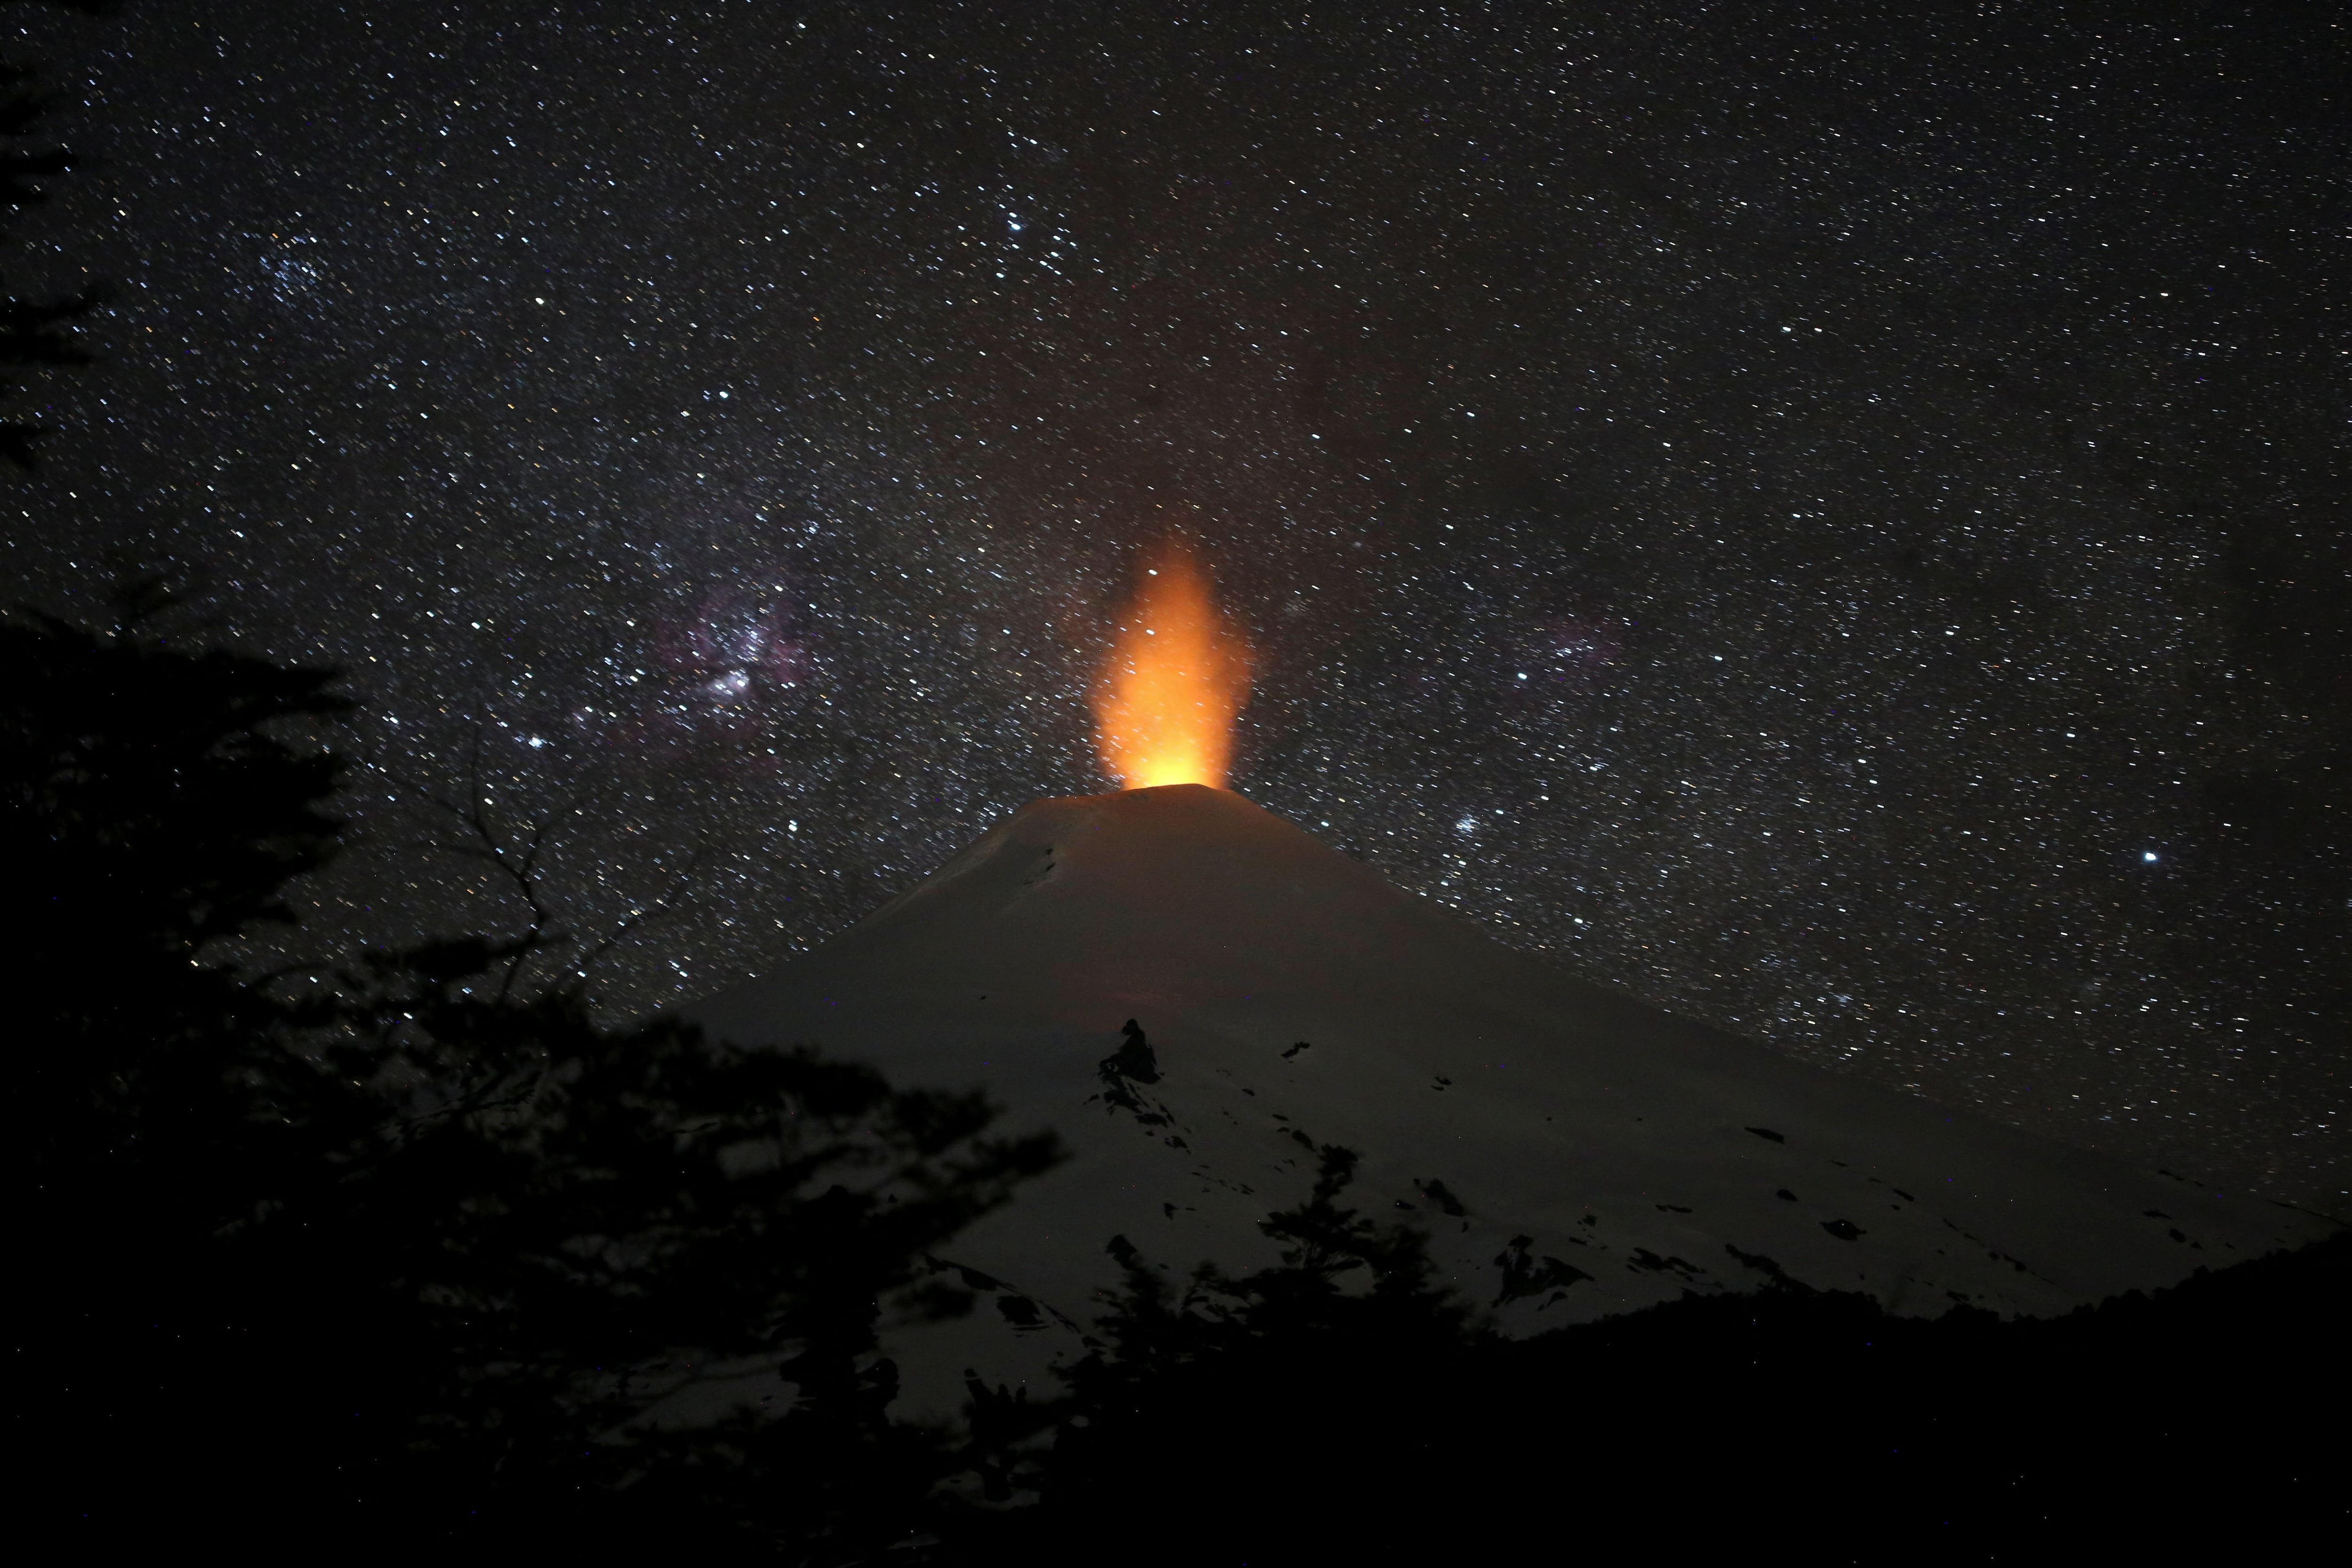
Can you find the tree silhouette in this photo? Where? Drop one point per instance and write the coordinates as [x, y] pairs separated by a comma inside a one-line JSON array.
[[152, 812], [30, 330], [1256, 1394], [386, 1241], [1344, 1405]]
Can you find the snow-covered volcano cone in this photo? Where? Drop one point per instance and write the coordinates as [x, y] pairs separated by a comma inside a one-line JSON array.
[[1571, 1153]]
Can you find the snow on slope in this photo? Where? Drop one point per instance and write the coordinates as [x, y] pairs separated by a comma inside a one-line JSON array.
[[1571, 1153]]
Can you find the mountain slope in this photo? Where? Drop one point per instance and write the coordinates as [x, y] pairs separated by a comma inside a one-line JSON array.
[[1570, 1152]]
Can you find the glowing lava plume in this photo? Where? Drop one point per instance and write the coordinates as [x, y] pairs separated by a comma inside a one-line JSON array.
[[1165, 703]]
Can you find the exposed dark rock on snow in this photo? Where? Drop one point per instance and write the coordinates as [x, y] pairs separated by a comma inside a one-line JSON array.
[[1233, 938]]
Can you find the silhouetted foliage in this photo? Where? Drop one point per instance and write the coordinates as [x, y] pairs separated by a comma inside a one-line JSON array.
[[1281, 1420], [29, 329], [394, 1245], [151, 811], [1207, 1412]]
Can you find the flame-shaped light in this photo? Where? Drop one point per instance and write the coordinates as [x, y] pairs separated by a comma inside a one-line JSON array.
[[1165, 703]]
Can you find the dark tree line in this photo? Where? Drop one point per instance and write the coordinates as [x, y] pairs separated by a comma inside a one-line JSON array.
[[32, 330], [1343, 1407], [390, 1241]]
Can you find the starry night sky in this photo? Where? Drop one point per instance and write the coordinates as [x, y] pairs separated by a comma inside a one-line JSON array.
[[1829, 516]]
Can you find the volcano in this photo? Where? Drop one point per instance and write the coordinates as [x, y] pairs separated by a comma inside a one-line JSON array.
[[1196, 994]]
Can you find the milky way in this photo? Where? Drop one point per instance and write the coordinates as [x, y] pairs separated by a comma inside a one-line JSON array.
[[1827, 516]]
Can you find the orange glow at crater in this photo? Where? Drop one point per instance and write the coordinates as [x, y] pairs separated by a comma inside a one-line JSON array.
[[1165, 702]]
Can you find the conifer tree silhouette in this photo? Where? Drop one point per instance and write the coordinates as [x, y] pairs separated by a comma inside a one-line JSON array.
[[29, 329], [403, 1247], [1345, 1406], [1255, 1389]]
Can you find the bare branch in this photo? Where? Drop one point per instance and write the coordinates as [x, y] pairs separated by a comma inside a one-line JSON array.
[[521, 858]]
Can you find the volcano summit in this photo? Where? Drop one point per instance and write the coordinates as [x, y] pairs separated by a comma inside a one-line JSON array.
[[1193, 993]]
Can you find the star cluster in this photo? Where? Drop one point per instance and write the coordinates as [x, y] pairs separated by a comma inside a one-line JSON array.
[[1829, 516]]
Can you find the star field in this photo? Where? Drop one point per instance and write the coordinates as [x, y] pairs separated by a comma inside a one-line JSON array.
[[1828, 517]]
